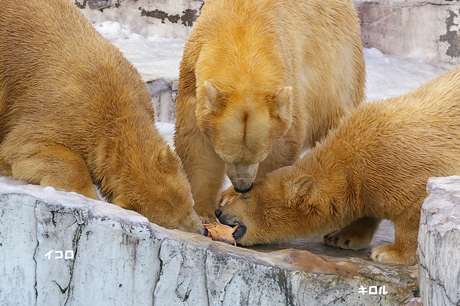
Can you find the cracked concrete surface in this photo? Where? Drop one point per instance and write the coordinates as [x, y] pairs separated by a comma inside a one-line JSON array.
[[121, 259], [426, 30], [439, 243], [146, 17]]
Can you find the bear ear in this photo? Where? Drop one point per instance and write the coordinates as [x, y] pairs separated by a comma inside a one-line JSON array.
[[211, 95], [283, 102], [284, 94], [301, 186], [166, 158]]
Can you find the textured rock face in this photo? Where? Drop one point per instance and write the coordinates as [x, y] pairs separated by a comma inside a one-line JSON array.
[[146, 17], [439, 243], [164, 95], [428, 30], [60, 248]]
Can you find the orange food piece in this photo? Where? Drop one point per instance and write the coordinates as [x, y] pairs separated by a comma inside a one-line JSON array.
[[221, 232]]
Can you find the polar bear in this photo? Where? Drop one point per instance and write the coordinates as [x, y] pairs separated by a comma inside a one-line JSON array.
[[74, 111], [374, 166], [261, 81]]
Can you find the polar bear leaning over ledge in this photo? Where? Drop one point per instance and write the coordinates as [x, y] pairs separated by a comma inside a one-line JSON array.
[[374, 166], [74, 111]]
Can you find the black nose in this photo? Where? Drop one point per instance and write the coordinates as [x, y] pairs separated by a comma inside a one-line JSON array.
[[218, 213], [244, 190], [206, 232]]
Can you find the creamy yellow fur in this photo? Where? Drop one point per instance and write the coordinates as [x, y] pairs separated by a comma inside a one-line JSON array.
[[374, 166], [74, 111], [260, 81]]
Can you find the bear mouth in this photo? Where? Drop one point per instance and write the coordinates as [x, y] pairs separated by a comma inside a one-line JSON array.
[[239, 232], [232, 221]]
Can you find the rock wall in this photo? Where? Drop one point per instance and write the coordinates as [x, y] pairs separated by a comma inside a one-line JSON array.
[[439, 243], [413, 28], [147, 17], [427, 30], [60, 248], [164, 95]]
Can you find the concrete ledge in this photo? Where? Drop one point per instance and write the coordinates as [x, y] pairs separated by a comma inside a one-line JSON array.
[[439, 243], [111, 256]]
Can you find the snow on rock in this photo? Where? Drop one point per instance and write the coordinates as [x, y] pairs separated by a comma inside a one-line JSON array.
[[391, 76], [439, 243], [60, 248], [157, 59]]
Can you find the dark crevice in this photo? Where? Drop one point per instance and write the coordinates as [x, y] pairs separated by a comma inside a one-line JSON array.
[[36, 252], [75, 241], [53, 214], [187, 19], [205, 271], [81, 6], [160, 271], [436, 281]]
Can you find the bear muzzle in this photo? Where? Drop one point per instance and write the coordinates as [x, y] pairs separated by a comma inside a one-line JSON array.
[[242, 176], [231, 221]]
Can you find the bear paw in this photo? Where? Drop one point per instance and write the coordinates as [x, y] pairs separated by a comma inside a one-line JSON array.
[[348, 239], [389, 253], [206, 217]]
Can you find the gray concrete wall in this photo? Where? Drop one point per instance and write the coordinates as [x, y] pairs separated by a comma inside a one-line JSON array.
[[439, 243], [147, 17], [428, 30]]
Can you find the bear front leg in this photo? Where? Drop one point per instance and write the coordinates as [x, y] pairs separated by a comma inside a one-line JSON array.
[[355, 236], [205, 171], [55, 166], [404, 249]]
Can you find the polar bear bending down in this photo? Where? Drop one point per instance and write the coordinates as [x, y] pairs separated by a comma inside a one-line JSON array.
[[74, 111], [374, 166], [261, 81]]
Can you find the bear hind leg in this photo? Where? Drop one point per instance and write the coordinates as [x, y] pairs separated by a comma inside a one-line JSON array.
[[55, 166], [355, 236]]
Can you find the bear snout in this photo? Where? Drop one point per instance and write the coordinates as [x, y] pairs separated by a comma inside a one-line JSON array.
[[242, 176], [218, 213]]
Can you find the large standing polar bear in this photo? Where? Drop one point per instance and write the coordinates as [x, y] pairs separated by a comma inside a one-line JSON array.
[[261, 81]]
